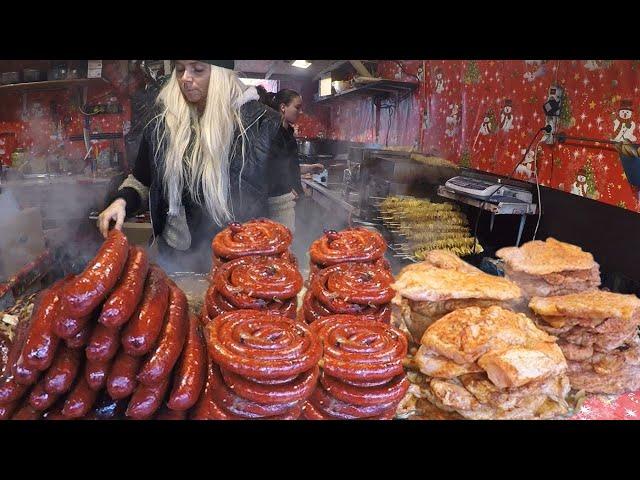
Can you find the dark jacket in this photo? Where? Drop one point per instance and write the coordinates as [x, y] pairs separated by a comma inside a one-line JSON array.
[[248, 191], [285, 155]]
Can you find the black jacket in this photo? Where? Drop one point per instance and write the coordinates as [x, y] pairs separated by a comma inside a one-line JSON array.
[[286, 176], [249, 190]]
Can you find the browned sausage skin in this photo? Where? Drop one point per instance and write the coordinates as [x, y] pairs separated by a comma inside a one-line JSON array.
[[86, 291]]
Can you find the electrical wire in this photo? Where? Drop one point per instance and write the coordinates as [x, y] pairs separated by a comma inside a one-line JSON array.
[[527, 151], [87, 114], [535, 164], [95, 99], [475, 229], [392, 111], [405, 72], [475, 232], [392, 105]]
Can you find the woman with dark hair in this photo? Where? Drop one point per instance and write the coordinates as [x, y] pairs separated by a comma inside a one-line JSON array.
[[285, 188]]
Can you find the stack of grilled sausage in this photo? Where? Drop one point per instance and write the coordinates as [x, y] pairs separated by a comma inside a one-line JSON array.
[[348, 275], [362, 375], [255, 283], [253, 269], [263, 366], [261, 236], [115, 341], [356, 244], [349, 288]]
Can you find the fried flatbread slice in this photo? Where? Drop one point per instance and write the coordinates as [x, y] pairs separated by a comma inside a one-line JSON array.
[[434, 365], [516, 366], [465, 335], [595, 304], [544, 257], [424, 282]]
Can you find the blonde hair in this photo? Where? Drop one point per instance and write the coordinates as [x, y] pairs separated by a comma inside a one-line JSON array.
[[197, 153]]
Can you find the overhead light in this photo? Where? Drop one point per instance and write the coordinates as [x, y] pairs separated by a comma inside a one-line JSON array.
[[301, 64]]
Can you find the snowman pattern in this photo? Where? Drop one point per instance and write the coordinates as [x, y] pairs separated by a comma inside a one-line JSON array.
[[592, 65], [531, 74], [579, 187], [486, 127], [506, 117], [623, 126], [526, 167], [452, 120], [439, 81]]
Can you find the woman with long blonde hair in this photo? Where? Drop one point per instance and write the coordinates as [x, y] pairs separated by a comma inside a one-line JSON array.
[[202, 161]]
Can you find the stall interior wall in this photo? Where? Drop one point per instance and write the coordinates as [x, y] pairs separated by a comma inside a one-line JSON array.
[[460, 111], [314, 121], [43, 124], [457, 111]]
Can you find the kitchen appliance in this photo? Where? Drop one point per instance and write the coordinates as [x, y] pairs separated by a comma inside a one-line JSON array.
[[31, 75], [8, 78], [58, 72], [351, 176], [321, 178], [385, 172], [317, 151], [313, 148], [332, 175], [497, 195], [488, 188]]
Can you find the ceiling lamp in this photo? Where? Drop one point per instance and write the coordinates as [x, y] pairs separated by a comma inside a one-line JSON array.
[[301, 64]]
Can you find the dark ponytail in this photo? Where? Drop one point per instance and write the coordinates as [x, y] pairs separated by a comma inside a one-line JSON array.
[[274, 100], [265, 97]]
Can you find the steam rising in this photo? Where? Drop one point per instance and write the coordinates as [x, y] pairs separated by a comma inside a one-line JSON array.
[[311, 222]]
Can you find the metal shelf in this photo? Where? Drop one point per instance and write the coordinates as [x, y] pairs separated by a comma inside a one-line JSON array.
[[382, 87], [51, 84]]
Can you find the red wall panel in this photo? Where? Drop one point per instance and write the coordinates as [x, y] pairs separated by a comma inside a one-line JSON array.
[[36, 129], [458, 112], [444, 116]]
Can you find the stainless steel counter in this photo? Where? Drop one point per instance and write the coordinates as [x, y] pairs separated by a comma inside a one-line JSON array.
[[330, 198], [342, 214]]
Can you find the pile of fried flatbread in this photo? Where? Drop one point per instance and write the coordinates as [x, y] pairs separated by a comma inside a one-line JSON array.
[[550, 267], [598, 334]]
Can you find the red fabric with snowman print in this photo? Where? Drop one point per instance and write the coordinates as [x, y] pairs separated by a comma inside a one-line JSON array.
[[484, 113]]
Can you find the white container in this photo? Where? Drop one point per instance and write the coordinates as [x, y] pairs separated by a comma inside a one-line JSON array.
[[339, 85], [94, 69]]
